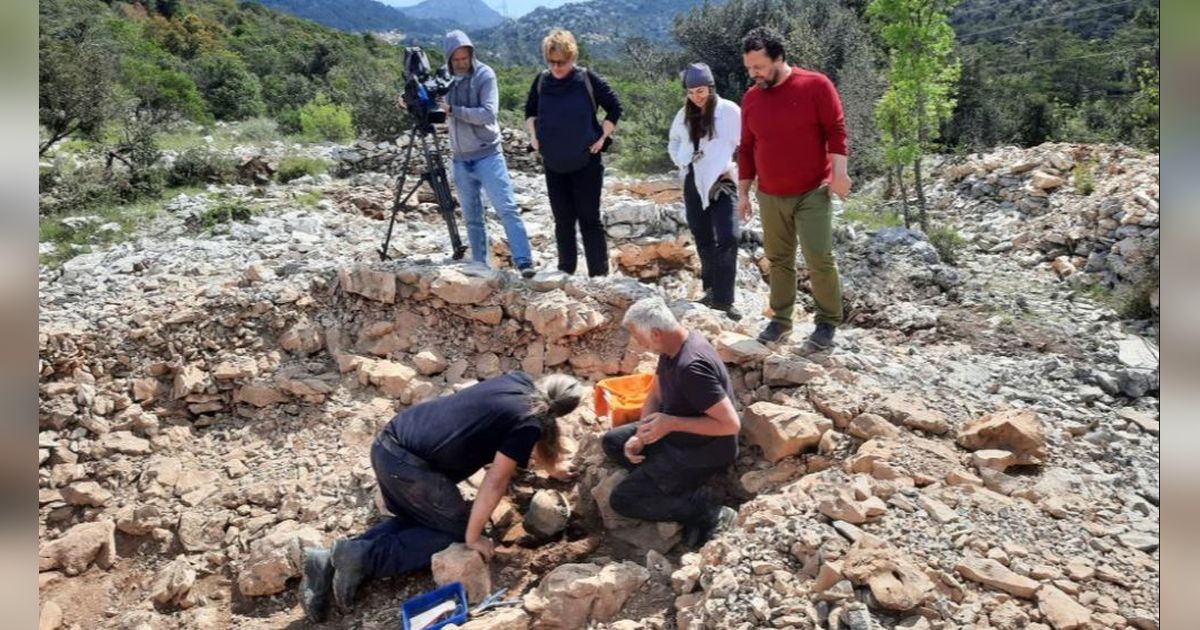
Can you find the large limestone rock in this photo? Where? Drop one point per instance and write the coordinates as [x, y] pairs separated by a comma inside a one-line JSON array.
[[173, 585], [458, 288], [868, 425], [991, 573], [1018, 431], [390, 377], [124, 442], [498, 619], [460, 563], [782, 431], [51, 617], [86, 493], [236, 367], [895, 581], [548, 513], [303, 338], [911, 412], [1045, 181], [573, 595], [276, 558], [79, 547], [739, 349], [555, 315], [1060, 610], [190, 380], [375, 285], [259, 394], [780, 370]]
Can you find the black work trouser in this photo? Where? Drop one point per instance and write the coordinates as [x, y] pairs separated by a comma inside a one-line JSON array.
[[715, 230], [575, 199], [657, 489], [430, 513]]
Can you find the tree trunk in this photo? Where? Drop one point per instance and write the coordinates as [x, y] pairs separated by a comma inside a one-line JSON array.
[[903, 196], [920, 194], [921, 135]]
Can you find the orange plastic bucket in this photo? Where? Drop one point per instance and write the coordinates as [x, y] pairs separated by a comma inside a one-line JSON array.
[[621, 397]]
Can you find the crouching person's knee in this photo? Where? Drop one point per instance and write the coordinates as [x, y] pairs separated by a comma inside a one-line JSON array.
[[624, 500], [613, 444]]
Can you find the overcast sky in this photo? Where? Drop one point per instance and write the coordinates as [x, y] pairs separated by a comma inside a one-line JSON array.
[[516, 8]]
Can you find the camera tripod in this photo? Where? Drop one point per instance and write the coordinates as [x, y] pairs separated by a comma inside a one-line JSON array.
[[435, 175]]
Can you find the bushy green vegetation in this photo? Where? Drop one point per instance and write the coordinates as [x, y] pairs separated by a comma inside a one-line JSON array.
[[948, 243], [295, 167], [321, 120], [101, 62], [870, 213]]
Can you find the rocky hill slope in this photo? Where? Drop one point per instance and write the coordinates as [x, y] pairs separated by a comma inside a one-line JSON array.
[[980, 449]]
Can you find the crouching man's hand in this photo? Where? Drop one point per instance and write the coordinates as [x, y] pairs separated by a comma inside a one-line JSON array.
[[654, 427], [484, 546], [562, 472], [633, 450]]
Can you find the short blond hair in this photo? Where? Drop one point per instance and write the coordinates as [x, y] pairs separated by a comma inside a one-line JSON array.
[[560, 41]]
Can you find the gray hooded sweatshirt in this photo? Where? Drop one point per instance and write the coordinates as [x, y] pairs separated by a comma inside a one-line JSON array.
[[474, 104]]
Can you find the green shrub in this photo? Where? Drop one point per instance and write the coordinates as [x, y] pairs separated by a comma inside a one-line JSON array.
[[323, 120], [1085, 177], [947, 242], [76, 190], [868, 211], [223, 212], [259, 130], [310, 198], [231, 91], [295, 167], [1133, 302], [201, 165], [288, 120]]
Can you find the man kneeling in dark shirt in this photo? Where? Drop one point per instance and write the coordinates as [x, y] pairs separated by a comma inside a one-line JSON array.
[[687, 432], [419, 458]]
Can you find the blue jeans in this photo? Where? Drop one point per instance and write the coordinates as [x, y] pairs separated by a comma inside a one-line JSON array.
[[490, 173]]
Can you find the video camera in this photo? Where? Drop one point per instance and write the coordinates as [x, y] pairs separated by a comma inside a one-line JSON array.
[[422, 88]]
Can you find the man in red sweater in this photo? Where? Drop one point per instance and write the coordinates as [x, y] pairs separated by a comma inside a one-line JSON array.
[[794, 142]]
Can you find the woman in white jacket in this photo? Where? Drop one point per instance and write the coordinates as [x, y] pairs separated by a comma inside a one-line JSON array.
[[704, 140]]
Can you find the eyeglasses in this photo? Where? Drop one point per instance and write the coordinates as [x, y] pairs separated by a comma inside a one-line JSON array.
[[557, 62]]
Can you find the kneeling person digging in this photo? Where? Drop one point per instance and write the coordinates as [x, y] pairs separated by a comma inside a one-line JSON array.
[[687, 432], [419, 458]]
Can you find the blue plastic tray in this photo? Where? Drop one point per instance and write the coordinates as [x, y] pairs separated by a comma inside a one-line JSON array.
[[423, 602]]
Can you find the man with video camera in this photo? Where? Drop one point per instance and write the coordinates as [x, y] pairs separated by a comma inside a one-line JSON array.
[[472, 104]]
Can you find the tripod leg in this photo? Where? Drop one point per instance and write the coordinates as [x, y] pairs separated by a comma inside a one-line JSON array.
[[398, 201], [441, 190]]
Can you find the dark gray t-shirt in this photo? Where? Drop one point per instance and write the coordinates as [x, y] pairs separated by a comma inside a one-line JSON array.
[[690, 383], [460, 433]]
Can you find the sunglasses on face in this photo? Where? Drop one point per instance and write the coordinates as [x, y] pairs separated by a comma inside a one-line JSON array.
[[557, 62]]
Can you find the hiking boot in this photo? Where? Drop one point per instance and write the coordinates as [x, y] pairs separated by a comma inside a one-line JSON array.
[[775, 331], [528, 272], [721, 521], [820, 339], [730, 311], [706, 300], [349, 564], [316, 585]]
